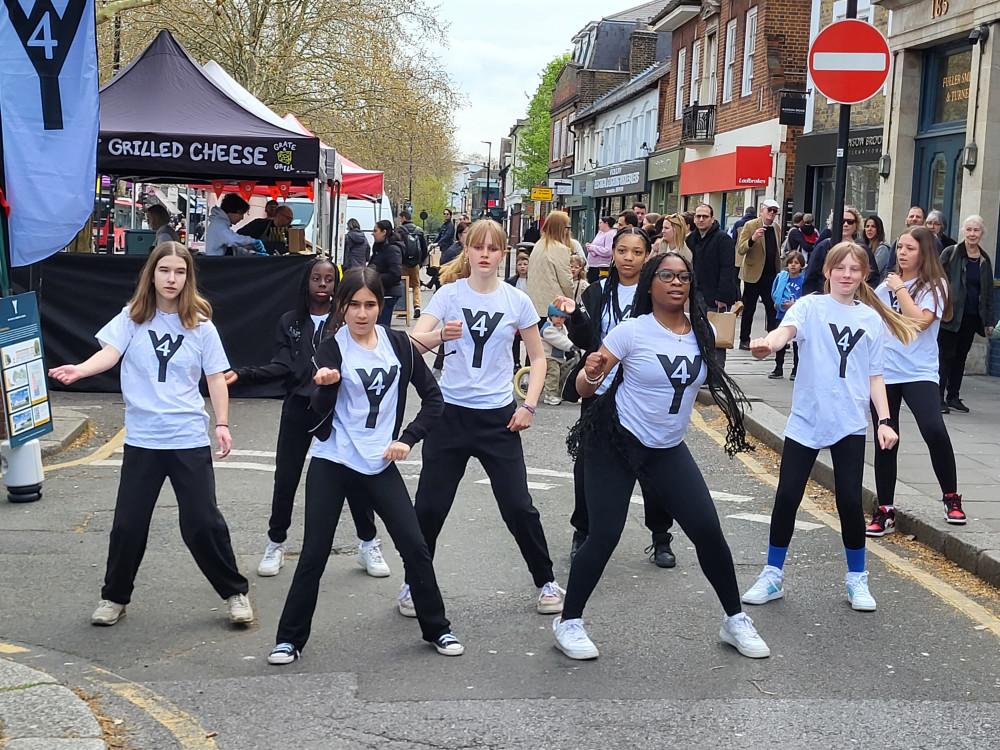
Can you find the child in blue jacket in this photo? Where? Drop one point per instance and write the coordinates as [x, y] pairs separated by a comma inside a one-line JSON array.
[[787, 288]]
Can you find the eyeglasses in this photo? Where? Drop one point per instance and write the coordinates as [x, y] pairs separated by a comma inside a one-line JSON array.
[[667, 275], [851, 222], [703, 216], [770, 210]]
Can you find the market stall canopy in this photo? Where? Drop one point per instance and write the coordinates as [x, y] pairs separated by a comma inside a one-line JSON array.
[[164, 120], [357, 182]]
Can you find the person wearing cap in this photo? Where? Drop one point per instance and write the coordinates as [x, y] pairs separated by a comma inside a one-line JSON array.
[[758, 247], [560, 353]]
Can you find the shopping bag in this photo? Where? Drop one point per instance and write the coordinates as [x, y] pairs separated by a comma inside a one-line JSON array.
[[725, 328]]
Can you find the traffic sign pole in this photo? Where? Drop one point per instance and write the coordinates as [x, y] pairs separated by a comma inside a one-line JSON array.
[[843, 136]]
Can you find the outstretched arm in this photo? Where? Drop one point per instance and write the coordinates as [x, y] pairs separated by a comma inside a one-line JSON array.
[[103, 361], [776, 339]]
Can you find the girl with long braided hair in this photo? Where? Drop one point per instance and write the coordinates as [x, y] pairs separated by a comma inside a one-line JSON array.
[[637, 428]]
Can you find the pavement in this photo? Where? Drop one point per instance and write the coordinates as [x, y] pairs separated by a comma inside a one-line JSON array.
[[975, 438], [36, 711]]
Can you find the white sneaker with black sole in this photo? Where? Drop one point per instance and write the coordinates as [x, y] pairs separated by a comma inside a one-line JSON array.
[[273, 560], [283, 653], [370, 558], [572, 639], [738, 631]]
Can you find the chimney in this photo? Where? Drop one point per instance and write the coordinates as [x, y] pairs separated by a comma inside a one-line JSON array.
[[641, 49]]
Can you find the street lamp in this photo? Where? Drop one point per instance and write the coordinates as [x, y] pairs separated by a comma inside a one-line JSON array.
[[489, 158]]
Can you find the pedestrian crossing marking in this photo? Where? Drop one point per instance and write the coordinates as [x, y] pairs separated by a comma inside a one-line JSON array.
[[531, 485], [246, 465], [728, 497], [760, 518]]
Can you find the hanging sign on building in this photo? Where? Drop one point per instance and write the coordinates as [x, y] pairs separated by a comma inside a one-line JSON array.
[[849, 61], [541, 194], [628, 178], [793, 110]]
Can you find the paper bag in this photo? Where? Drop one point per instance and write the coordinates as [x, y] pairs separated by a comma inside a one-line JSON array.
[[296, 240], [435, 258], [725, 328]]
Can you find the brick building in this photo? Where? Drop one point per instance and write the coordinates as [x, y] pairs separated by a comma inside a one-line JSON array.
[[720, 141]]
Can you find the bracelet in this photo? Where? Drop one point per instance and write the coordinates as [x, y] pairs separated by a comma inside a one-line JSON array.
[[442, 335], [221, 425], [887, 422], [595, 381], [531, 409]]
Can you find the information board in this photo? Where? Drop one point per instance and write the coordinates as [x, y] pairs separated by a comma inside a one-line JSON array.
[[25, 390]]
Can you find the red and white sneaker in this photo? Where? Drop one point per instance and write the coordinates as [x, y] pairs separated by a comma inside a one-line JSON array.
[[883, 521], [953, 512]]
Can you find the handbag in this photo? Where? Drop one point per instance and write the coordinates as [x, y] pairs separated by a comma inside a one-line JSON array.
[[725, 328]]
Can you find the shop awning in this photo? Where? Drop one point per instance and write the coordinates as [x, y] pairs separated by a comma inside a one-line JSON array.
[[747, 166]]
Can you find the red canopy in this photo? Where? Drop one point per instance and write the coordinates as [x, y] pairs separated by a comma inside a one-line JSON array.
[[360, 182]]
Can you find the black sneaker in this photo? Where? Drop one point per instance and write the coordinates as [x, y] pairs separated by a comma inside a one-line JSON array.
[[944, 407], [745, 346], [578, 540], [957, 405], [953, 512], [792, 376], [448, 645], [416, 312], [283, 653], [776, 374], [660, 553]]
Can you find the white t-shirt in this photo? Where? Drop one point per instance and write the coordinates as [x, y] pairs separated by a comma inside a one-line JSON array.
[[365, 415], [919, 360], [840, 348], [662, 378], [161, 365], [625, 296], [479, 374]]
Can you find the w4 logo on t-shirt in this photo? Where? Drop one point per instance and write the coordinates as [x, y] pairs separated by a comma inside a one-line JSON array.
[[376, 383], [481, 326], [894, 301], [681, 372], [165, 347], [845, 340]]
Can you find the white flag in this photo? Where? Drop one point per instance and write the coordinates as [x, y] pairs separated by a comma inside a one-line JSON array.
[[50, 118]]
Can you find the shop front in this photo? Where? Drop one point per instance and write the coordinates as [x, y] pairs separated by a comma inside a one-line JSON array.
[[618, 186], [727, 182], [664, 173], [580, 206], [816, 166]]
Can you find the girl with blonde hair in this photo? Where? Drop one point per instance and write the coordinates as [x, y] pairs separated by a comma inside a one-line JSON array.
[[165, 339], [550, 276], [671, 233], [841, 338]]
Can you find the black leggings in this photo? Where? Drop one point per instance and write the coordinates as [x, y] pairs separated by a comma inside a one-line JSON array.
[[327, 484], [658, 520], [953, 350], [796, 465], [290, 456], [672, 481], [922, 398], [458, 435]]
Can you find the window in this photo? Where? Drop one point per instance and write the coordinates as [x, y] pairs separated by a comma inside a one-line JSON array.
[[749, 47], [730, 64], [864, 10], [556, 140], [695, 72], [711, 68], [567, 149], [679, 101]]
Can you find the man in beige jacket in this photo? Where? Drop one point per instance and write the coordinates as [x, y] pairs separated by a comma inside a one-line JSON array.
[[758, 246]]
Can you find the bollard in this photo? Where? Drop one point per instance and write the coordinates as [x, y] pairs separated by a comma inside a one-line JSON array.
[[22, 471]]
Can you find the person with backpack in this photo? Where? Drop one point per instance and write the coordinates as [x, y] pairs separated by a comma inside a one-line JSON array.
[[414, 256]]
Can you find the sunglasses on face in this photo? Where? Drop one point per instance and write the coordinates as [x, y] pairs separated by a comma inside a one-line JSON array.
[[667, 275], [852, 222], [770, 210]]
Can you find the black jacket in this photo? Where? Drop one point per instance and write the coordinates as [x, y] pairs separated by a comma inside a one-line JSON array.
[[413, 370], [714, 260], [446, 235], [953, 259], [449, 254], [387, 259], [814, 279], [585, 322], [356, 249], [292, 362]]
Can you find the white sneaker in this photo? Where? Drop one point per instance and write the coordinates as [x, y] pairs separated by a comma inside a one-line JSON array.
[[857, 592], [738, 631], [550, 599], [551, 400], [370, 558], [107, 613], [405, 602], [283, 653], [239, 609], [572, 639], [768, 586], [273, 560]]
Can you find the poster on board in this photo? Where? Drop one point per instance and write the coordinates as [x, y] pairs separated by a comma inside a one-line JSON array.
[[25, 390]]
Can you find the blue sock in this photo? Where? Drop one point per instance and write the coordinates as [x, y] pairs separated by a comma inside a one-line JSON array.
[[855, 560], [776, 556]]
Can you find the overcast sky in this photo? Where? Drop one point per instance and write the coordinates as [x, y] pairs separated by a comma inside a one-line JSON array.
[[497, 51]]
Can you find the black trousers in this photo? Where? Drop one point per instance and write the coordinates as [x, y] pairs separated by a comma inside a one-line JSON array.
[[327, 484], [203, 528], [953, 350], [294, 439], [751, 291], [673, 482], [848, 468], [922, 398], [594, 273], [458, 435], [779, 356], [657, 519]]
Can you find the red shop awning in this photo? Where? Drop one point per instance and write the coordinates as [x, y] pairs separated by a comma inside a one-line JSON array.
[[747, 166]]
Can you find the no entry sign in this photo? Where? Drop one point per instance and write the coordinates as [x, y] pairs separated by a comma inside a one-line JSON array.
[[849, 61]]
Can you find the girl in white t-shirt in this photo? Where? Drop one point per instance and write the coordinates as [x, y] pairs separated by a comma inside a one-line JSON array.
[[481, 315], [920, 292], [165, 340], [840, 337], [364, 371], [636, 431]]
